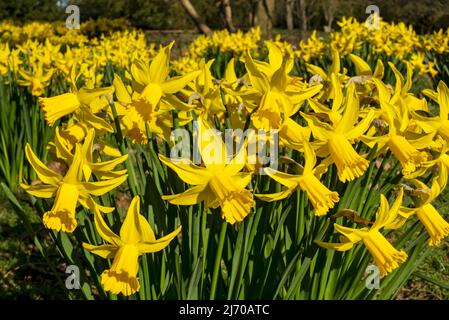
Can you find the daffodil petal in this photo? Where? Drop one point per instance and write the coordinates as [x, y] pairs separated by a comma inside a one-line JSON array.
[[45, 175], [189, 173], [189, 197], [104, 231], [106, 251], [339, 246], [159, 244], [99, 188], [40, 191]]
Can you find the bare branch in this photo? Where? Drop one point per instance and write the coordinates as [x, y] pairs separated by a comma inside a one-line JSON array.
[[191, 11], [227, 10]]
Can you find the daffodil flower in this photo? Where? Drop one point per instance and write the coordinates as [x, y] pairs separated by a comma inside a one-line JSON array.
[[363, 69], [46, 54], [417, 61], [364, 75], [135, 239], [335, 112], [85, 102], [64, 62], [292, 135], [320, 196], [5, 53], [75, 131], [68, 190], [278, 96], [386, 257], [102, 170], [401, 90], [405, 147], [422, 196], [37, 80], [440, 123], [230, 85], [335, 67], [313, 47], [218, 183], [152, 96], [440, 160], [325, 77], [208, 92], [336, 139]]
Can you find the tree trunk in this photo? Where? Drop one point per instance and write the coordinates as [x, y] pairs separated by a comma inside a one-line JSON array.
[[227, 10], [303, 19], [265, 12], [289, 14], [329, 7], [190, 9], [254, 4]]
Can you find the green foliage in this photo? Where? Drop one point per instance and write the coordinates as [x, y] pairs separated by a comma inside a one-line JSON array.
[[425, 15], [25, 10], [24, 271], [95, 28]]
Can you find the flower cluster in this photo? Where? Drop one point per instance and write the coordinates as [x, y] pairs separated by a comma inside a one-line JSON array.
[[341, 110], [391, 40], [223, 41], [334, 123], [37, 63]]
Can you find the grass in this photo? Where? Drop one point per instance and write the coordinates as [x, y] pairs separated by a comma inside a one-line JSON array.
[[24, 274], [435, 266]]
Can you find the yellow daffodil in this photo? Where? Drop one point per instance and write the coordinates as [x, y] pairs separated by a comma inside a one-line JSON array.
[[207, 92], [68, 190], [102, 170], [335, 112], [405, 147], [336, 140], [136, 238], [320, 75], [237, 42], [417, 60], [152, 97], [441, 161], [364, 75], [386, 257], [37, 79], [363, 69], [402, 90], [80, 101], [320, 196], [5, 54], [277, 94], [422, 196], [440, 123], [231, 85], [312, 48], [75, 131], [218, 183], [327, 103]]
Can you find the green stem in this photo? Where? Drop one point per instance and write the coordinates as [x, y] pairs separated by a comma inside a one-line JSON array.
[[221, 241], [121, 143]]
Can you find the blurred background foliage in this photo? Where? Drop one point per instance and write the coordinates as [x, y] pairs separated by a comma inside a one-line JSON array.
[[424, 15]]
